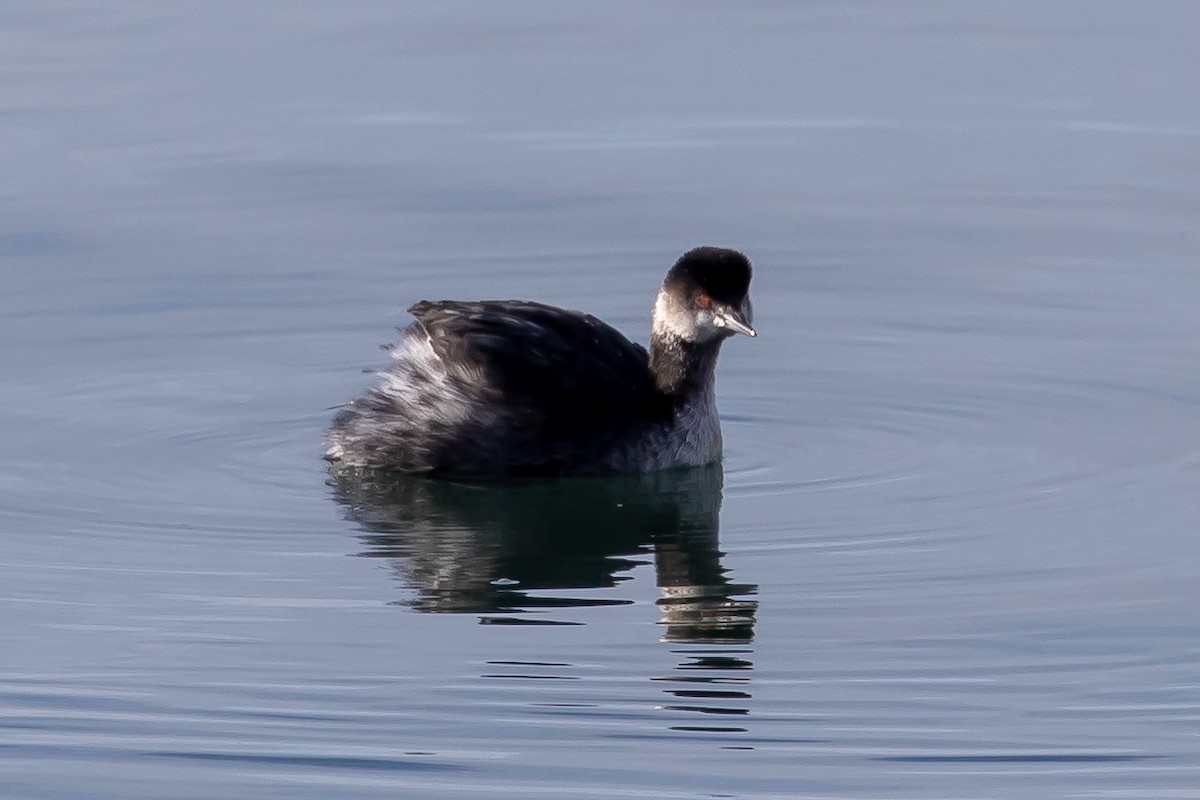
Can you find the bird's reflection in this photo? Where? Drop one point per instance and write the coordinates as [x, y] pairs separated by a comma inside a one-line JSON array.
[[503, 548]]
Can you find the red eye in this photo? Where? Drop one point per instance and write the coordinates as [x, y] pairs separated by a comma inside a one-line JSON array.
[[704, 301]]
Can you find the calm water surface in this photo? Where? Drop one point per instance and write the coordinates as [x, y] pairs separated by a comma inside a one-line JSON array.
[[953, 550]]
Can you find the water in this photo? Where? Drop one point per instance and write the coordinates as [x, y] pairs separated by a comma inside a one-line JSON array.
[[953, 550]]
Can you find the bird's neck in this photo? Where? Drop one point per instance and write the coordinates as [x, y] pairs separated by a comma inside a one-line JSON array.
[[682, 368]]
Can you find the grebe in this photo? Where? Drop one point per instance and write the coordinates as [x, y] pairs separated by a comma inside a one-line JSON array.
[[517, 387]]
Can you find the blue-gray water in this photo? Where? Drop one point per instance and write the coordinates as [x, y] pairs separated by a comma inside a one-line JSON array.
[[954, 550]]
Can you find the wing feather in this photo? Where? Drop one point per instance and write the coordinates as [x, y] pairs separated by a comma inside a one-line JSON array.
[[564, 373]]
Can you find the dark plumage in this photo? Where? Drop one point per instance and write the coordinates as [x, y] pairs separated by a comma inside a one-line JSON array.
[[524, 388]]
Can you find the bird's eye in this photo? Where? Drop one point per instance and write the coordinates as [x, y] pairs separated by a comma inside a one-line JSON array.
[[704, 301]]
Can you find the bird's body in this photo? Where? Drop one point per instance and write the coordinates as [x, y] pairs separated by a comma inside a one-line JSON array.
[[520, 387]]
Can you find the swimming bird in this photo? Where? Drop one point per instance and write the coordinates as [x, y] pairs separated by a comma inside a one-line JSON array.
[[522, 388]]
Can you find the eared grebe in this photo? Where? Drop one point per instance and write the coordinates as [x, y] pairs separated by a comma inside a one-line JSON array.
[[509, 386]]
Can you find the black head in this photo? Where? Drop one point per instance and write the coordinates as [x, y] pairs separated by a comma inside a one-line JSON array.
[[706, 296], [720, 273]]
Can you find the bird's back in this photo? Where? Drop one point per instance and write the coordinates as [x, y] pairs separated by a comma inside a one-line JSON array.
[[510, 386]]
